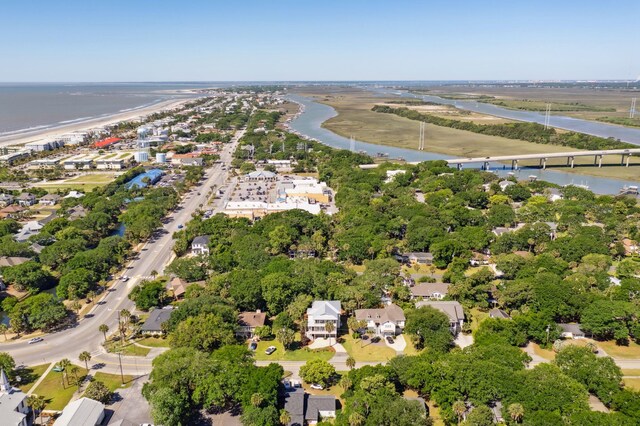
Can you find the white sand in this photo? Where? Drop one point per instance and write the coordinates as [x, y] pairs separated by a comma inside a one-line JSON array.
[[22, 138]]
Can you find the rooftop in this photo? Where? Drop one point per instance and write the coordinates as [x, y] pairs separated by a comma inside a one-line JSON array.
[[453, 309], [81, 412], [157, 317]]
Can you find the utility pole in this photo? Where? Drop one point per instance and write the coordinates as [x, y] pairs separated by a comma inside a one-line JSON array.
[[120, 362], [547, 116], [632, 110]]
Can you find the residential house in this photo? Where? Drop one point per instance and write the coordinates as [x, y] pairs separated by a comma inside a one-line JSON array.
[[26, 199], [157, 317], [178, 287], [28, 229], [387, 321], [452, 309], [6, 200], [81, 412], [248, 322], [553, 226], [319, 314], [571, 331], [12, 260], [50, 200], [498, 313], [419, 258], [429, 291], [13, 404], [306, 409], [200, 245], [500, 230], [12, 212], [630, 247], [77, 212]]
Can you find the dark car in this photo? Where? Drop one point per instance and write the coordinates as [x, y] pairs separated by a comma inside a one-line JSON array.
[[253, 346], [390, 340]]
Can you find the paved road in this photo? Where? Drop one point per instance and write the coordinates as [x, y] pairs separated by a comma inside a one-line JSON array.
[[155, 255]]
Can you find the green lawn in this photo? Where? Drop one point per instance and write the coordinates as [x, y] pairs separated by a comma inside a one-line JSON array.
[[30, 375], [52, 390], [128, 349], [410, 349], [101, 178], [369, 352], [477, 316], [633, 384], [113, 381], [304, 354], [154, 342]]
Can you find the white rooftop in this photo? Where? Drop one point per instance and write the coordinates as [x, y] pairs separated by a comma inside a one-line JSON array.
[[82, 412]]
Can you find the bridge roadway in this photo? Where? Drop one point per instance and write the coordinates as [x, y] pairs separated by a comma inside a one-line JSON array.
[[543, 157]]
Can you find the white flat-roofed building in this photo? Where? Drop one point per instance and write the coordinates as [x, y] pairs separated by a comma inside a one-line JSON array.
[[74, 138], [141, 156], [79, 162], [114, 161], [81, 412]]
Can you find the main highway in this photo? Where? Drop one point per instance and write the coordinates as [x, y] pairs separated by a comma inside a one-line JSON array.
[[153, 256]]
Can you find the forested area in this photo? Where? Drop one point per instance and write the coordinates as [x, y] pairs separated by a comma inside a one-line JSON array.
[[530, 132]]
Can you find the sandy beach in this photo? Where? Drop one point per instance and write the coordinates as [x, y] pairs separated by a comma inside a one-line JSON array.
[[29, 136]]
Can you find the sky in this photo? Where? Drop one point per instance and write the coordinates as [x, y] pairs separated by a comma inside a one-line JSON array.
[[287, 40]]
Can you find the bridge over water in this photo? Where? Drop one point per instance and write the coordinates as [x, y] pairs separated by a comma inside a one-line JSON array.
[[625, 155]]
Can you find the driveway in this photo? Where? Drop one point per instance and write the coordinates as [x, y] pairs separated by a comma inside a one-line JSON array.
[[464, 340], [398, 345], [130, 404], [325, 343]]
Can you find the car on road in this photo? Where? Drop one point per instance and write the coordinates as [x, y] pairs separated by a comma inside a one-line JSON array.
[[390, 340], [180, 226], [124, 278], [317, 386], [253, 346], [35, 340], [270, 350]]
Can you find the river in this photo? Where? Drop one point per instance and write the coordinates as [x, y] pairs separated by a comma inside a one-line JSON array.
[[310, 121]]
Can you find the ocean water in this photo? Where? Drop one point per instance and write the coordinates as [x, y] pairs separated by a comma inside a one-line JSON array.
[[38, 106]]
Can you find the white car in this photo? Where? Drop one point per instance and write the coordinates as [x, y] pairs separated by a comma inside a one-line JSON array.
[[317, 386], [35, 340], [124, 278]]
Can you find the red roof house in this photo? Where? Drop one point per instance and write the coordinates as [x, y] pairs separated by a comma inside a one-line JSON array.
[[106, 142]]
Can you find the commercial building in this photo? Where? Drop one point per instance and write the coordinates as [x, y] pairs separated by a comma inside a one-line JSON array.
[[44, 163], [9, 158], [74, 138], [79, 162], [141, 156], [115, 161], [105, 143], [161, 158]]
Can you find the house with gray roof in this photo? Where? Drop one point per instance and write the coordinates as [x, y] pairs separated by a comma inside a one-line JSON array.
[[13, 404], [157, 317], [50, 200], [81, 412], [308, 409], [6, 200], [200, 245], [429, 291], [319, 314], [419, 258], [571, 331], [387, 321], [452, 309], [26, 199]]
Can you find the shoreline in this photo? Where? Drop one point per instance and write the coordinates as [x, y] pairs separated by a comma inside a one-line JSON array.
[[38, 134]]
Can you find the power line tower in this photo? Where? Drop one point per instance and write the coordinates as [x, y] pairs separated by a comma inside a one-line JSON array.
[[547, 117], [632, 110]]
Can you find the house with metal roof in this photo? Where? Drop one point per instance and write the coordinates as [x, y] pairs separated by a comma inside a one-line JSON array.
[[319, 314], [81, 412]]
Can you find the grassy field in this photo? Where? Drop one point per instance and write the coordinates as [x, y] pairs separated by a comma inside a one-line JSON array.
[[52, 390], [128, 349], [366, 351], [632, 351], [632, 383], [30, 375], [631, 372], [154, 342], [79, 183], [356, 119], [113, 381], [477, 316], [544, 353], [101, 178], [303, 354]]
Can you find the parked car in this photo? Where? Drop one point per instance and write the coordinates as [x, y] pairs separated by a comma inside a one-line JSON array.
[[180, 226], [390, 340], [270, 350], [253, 346], [317, 386], [35, 340]]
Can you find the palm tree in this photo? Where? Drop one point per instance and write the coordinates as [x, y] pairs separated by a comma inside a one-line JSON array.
[[74, 371], [351, 362], [75, 306], [256, 399], [37, 403], [285, 417], [64, 364], [329, 326], [3, 330], [346, 382], [356, 419], [459, 407], [91, 296], [516, 412], [86, 357], [154, 273], [103, 329]]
